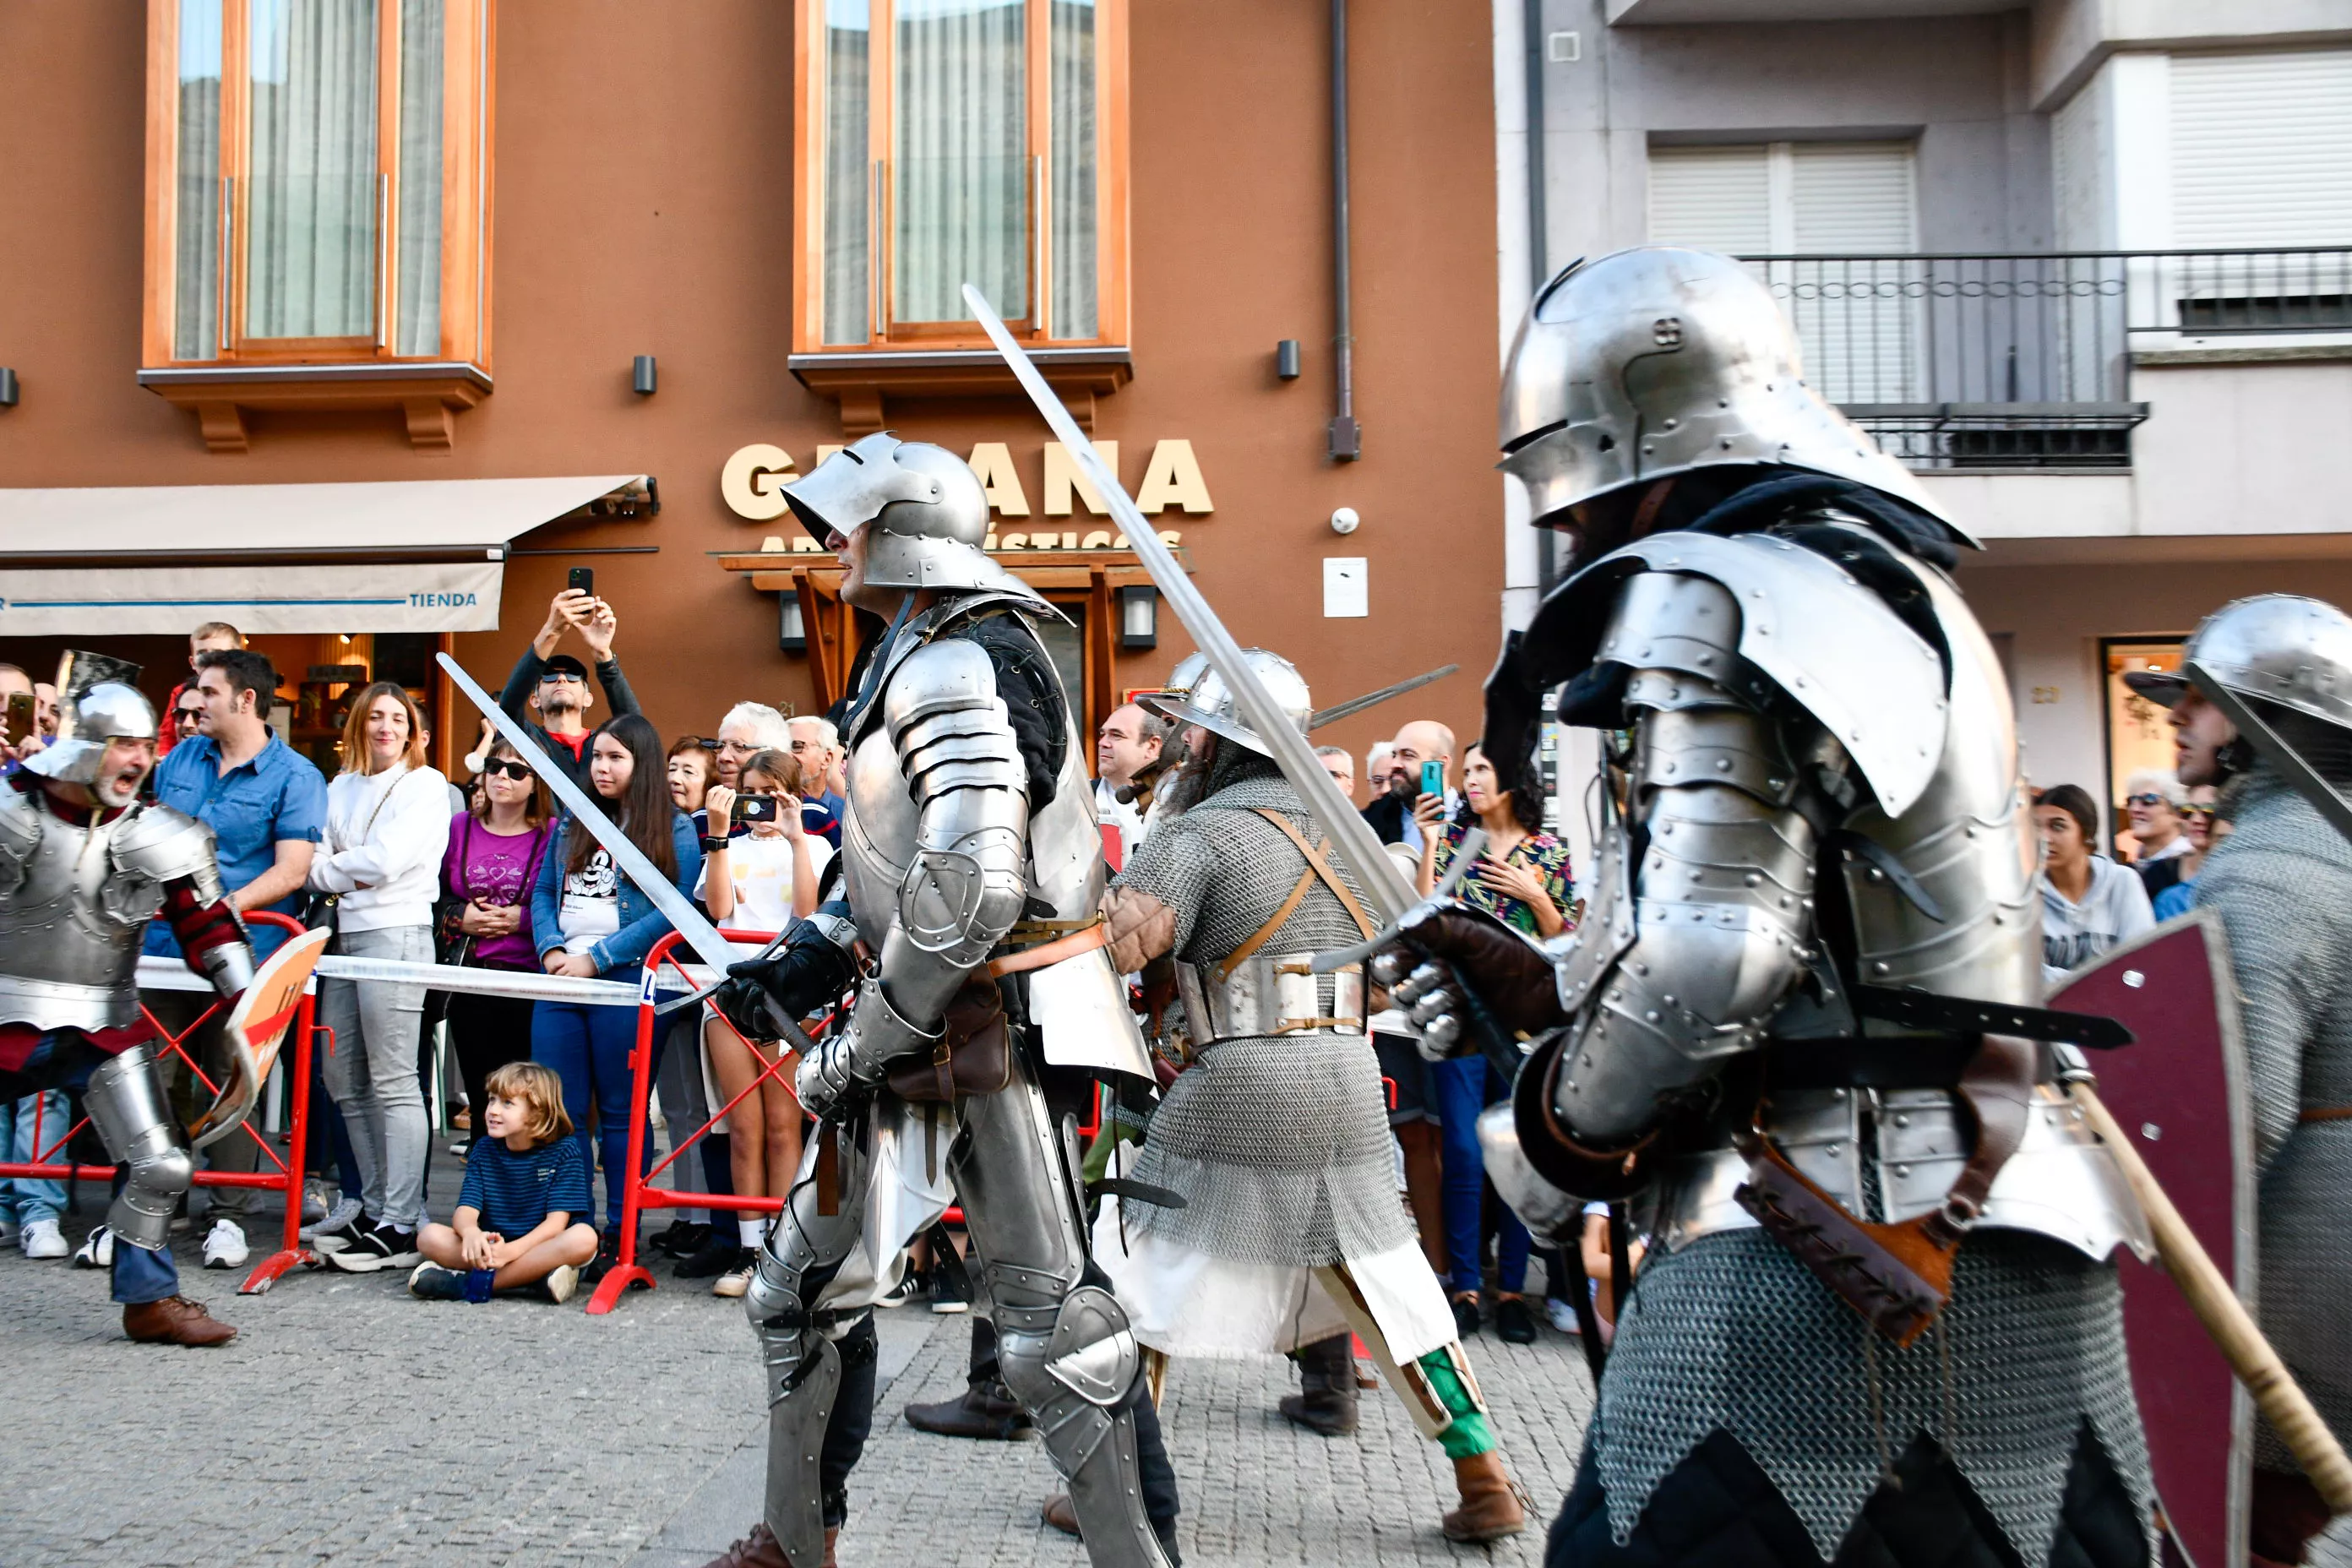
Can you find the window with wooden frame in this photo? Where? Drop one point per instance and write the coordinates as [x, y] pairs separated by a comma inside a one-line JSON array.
[[945, 141], [318, 204]]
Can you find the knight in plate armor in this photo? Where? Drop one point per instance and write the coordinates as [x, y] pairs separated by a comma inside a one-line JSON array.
[[83, 867], [1879, 1321], [986, 1008], [1289, 1235], [2281, 881]]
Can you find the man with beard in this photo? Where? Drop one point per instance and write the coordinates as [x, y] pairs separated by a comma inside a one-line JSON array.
[[2281, 882], [548, 692], [1289, 1235], [1879, 1323], [1397, 814], [83, 868]]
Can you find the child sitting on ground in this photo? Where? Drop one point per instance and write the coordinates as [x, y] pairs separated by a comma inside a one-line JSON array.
[[524, 1181]]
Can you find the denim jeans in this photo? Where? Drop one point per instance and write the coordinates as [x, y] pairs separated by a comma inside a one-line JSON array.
[[28, 1198], [64, 1059], [1462, 1086], [588, 1047], [372, 1072]]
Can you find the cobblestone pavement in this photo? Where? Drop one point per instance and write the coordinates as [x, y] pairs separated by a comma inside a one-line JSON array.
[[350, 1424]]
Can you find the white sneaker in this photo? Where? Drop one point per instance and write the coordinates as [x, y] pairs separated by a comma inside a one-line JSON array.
[[345, 1213], [224, 1246], [1562, 1315], [40, 1239], [96, 1250]]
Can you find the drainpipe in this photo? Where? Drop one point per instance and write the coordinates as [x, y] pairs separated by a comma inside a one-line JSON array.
[[1539, 266], [1347, 438]]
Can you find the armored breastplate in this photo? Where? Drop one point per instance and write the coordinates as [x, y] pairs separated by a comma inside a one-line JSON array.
[[70, 930], [880, 827]]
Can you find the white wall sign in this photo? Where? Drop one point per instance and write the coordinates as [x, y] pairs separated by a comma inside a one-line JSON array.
[[164, 601], [1347, 586]]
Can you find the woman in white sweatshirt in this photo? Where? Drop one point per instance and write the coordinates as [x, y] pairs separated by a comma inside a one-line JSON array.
[[387, 829]]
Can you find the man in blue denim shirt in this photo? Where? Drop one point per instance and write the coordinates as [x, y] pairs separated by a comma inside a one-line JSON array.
[[266, 805]]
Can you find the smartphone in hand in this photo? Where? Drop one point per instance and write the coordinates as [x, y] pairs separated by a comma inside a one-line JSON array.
[[756, 808], [1433, 779], [582, 580], [17, 724]]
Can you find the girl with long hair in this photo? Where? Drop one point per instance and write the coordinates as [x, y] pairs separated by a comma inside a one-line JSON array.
[[387, 828], [487, 877], [588, 920], [762, 880]]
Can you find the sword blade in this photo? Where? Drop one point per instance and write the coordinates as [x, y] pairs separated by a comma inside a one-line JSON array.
[[1383, 884], [1355, 705], [2274, 748], [700, 933]]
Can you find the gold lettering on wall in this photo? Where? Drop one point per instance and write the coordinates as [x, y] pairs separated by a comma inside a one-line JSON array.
[[1172, 477], [993, 461], [1062, 477], [752, 484]]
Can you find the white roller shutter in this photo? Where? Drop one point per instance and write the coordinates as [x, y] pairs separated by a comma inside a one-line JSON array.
[[1712, 198], [2261, 150], [1856, 200]]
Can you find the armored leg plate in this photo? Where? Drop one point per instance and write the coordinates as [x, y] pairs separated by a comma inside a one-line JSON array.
[[127, 1106], [1065, 1349], [788, 1306]]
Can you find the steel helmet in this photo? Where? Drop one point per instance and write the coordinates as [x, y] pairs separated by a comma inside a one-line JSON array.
[[1208, 702], [2280, 649], [1659, 361], [97, 702], [927, 509]]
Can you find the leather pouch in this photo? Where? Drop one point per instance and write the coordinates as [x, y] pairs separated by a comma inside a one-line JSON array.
[[973, 1054]]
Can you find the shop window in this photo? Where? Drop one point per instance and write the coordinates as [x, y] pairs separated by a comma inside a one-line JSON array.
[[945, 141], [2139, 732], [317, 198]]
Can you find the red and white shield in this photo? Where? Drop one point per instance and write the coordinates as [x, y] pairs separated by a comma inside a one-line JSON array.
[[2180, 1094], [256, 1026]]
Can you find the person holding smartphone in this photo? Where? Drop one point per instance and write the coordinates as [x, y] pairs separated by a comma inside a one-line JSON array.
[[548, 692], [766, 880], [1418, 764]]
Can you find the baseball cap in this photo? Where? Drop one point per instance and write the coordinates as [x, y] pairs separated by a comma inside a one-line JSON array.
[[564, 664]]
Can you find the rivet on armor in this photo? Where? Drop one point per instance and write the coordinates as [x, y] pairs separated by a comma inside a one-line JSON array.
[[1752, 879], [1903, 1170], [1651, 1017], [1879, 967], [2134, 979], [1833, 1150], [1723, 765], [1838, 1095], [1903, 1121]]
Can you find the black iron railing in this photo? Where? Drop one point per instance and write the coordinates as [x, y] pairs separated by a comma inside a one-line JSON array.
[[1984, 361]]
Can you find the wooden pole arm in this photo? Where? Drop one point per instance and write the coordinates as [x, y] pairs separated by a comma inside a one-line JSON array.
[[2282, 1401]]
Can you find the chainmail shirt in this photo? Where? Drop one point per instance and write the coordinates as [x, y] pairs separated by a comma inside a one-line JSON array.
[[1733, 1333], [1279, 1146], [2281, 882]]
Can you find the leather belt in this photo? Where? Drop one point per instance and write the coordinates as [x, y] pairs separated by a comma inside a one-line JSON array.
[[1911, 1061], [1051, 952], [2326, 1113]]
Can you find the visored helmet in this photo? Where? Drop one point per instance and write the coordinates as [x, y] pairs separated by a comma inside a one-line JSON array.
[[1208, 702], [1659, 361], [2280, 649], [97, 702], [927, 509]]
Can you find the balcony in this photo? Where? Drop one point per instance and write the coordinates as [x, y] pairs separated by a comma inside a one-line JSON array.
[[1991, 363]]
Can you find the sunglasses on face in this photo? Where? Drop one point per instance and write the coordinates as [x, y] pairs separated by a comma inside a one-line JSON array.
[[189, 715], [2143, 800], [556, 676], [2198, 813], [508, 767]]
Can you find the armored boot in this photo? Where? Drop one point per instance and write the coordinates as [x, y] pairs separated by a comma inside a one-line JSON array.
[[1490, 1504], [1326, 1401]]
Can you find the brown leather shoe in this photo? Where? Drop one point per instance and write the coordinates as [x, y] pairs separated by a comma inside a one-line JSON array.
[[760, 1548], [1490, 1504], [174, 1321], [1058, 1513]]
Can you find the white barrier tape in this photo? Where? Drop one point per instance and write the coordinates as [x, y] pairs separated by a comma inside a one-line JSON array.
[[172, 975]]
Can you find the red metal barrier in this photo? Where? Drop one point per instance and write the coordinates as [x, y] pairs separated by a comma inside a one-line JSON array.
[[286, 1179], [638, 1193]]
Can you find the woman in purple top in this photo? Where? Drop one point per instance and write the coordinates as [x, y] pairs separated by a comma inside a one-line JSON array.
[[487, 876]]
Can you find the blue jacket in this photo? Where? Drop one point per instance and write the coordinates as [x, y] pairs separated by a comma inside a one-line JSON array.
[[642, 924]]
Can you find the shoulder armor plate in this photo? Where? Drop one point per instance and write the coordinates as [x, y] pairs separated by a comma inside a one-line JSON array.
[[940, 676], [162, 845], [1825, 640]]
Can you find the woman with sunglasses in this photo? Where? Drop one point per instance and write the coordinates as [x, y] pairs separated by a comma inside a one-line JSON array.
[[2153, 801], [495, 850], [2203, 829]]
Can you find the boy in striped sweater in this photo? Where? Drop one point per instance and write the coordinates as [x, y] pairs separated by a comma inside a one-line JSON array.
[[524, 1181]]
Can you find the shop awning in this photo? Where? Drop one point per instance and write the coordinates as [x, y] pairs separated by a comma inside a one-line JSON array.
[[423, 555]]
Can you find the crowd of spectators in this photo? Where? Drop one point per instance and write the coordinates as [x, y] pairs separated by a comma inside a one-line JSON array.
[[743, 822]]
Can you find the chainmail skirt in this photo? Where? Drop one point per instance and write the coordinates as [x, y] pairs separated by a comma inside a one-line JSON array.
[[1280, 1148], [1732, 1332]]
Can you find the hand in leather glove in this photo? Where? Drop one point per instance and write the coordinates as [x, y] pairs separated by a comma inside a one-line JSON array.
[[810, 972], [1444, 948]]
